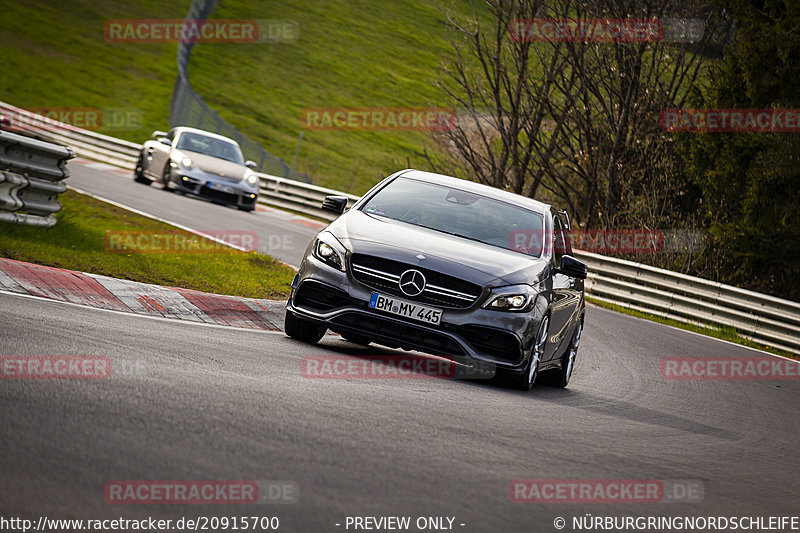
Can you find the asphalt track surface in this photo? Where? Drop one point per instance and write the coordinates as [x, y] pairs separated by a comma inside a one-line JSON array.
[[277, 234], [191, 402]]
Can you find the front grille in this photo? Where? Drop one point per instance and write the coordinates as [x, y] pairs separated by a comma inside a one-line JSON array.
[[492, 342], [218, 195], [441, 290], [397, 334], [320, 297]]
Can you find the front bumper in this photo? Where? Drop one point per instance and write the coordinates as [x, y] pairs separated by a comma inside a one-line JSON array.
[[475, 336], [213, 187]]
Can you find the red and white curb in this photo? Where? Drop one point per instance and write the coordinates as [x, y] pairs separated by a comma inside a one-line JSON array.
[[103, 292]]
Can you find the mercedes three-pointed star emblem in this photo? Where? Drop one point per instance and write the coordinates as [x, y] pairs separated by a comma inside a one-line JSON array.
[[412, 282]]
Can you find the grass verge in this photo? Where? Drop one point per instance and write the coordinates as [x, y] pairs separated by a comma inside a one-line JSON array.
[[78, 242], [726, 334], [347, 55]]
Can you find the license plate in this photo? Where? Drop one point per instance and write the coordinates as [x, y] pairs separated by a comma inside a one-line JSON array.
[[399, 307], [220, 187]]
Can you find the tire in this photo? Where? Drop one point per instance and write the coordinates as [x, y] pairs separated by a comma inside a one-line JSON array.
[[562, 376], [165, 179], [303, 330], [245, 209], [524, 380], [357, 339], [138, 172]]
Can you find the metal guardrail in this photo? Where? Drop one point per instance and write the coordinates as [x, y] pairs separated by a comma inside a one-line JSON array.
[[31, 174], [275, 191], [764, 319], [298, 196], [84, 143]]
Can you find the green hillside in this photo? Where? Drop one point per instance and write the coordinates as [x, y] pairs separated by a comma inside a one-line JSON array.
[[352, 54]]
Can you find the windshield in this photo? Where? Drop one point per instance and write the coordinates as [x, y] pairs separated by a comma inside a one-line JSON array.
[[194, 142], [460, 213]]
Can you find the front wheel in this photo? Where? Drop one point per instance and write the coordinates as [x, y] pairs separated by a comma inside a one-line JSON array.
[[303, 330], [524, 380], [561, 378], [138, 172], [165, 178]]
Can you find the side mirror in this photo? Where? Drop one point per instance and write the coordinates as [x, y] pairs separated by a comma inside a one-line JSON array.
[[156, 134], [337, 204], [165, 140], [572, 267], [250, 164]]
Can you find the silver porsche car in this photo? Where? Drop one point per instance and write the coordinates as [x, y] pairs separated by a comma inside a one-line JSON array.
[[448, 267], [201, 163]]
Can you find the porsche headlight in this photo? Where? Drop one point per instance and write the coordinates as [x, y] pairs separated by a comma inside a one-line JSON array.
[[518, 298], [251, 178], [329, 250], [186, 162]]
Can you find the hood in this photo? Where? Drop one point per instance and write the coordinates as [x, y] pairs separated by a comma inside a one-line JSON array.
[[473, 261], [213, 165]]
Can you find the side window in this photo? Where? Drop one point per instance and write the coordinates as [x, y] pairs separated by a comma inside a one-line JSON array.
[[171, 135]]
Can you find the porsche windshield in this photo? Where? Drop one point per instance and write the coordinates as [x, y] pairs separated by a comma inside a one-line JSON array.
[[461, 213], [194, 142]]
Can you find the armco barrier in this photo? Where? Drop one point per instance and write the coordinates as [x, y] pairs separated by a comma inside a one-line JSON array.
[[31, 174], [298, 196], [765, 319], [277, 192], [83, 142], [762, 318]]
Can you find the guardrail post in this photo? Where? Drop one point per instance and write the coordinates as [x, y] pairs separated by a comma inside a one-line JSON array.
[[31, 174]]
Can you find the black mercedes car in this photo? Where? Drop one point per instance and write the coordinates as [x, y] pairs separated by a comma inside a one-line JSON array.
[[201, 163], [449, 267]]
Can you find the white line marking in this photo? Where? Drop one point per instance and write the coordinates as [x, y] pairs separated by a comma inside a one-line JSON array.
[[165, 221]]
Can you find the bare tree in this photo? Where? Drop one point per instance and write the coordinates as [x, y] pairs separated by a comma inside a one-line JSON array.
[[504, 87], [572, 119]]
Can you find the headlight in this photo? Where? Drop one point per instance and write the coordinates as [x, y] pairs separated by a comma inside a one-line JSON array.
[[329, 250], [251, 178], [186, 162], [518, 298]]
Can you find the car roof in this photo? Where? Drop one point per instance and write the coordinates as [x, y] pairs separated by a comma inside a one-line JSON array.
[[476, 188], [183, 129]]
